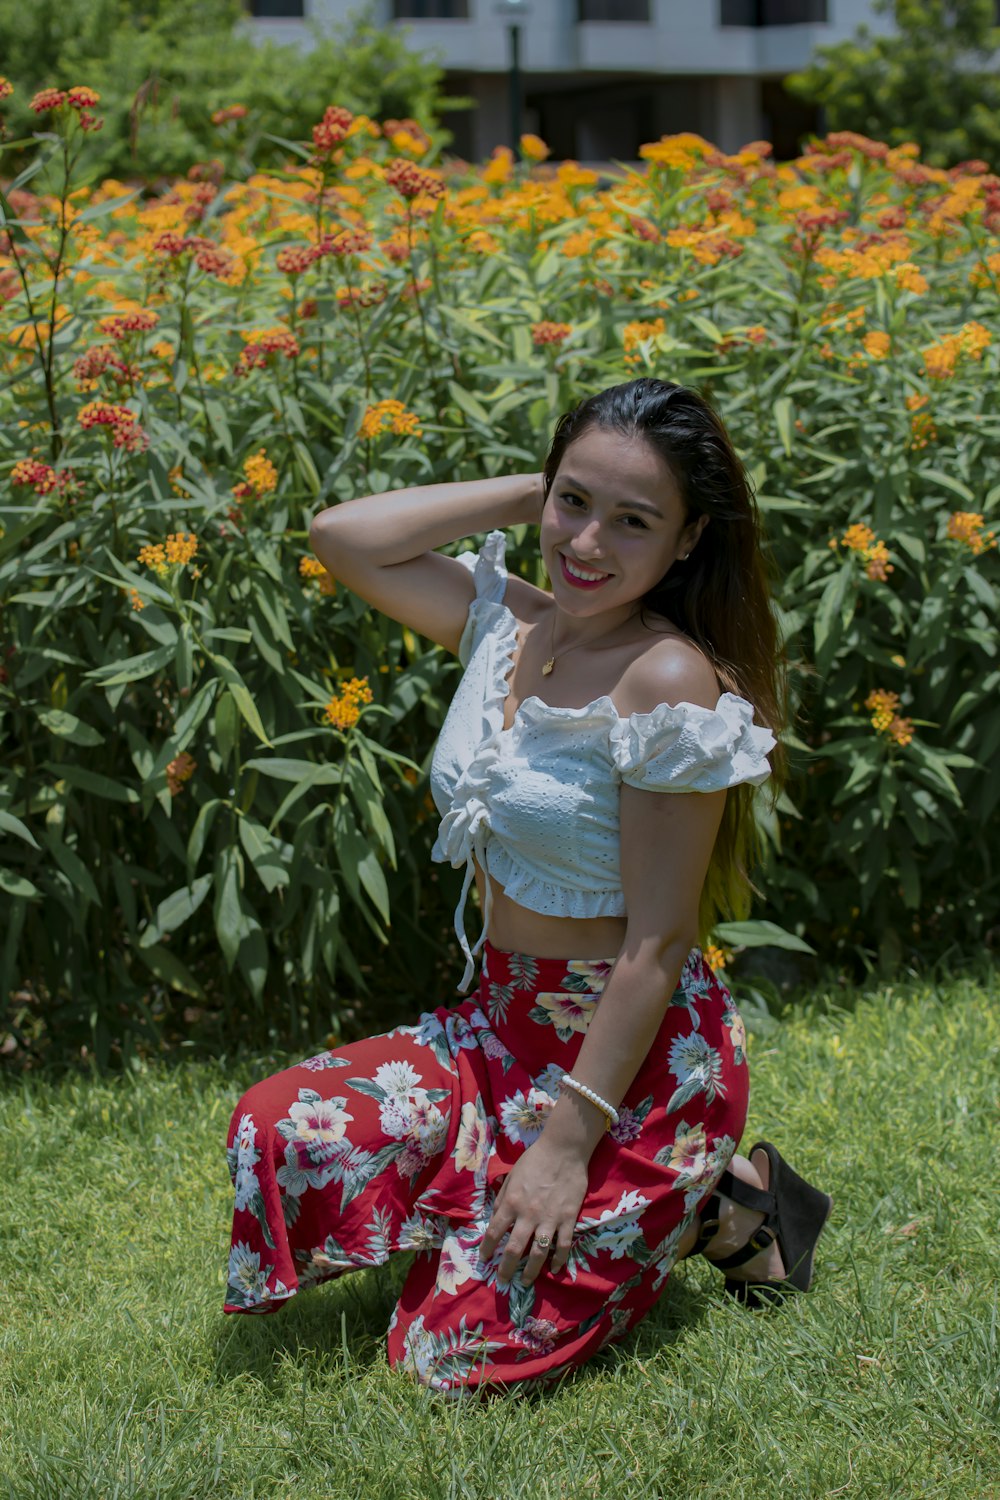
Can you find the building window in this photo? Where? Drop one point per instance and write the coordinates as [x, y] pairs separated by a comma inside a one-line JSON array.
[[278, 9], [771, 12], [613, 10], [430, 10]]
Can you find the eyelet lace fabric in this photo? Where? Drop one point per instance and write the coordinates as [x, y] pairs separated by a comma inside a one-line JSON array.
[[537, 805]]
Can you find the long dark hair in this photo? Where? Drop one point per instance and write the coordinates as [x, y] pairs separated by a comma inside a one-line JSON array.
[[720, 596]]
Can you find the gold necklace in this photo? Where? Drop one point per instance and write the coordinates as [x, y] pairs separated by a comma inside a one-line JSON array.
[[547, 667]]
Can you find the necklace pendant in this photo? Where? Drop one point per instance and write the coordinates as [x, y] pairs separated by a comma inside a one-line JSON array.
[[547, 668]]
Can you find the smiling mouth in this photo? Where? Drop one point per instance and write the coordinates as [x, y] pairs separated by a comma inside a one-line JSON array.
[[581, 575]]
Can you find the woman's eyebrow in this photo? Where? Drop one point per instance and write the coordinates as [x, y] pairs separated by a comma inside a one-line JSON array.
[[628, 504]]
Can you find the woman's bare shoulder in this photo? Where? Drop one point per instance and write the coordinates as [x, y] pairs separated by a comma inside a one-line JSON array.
[[672, 669]]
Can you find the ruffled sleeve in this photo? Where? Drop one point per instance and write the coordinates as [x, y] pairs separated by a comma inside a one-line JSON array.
[[688, 748], [488, 567], [489, 572]]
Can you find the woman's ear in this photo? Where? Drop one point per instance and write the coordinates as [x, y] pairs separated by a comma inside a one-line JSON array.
[[691, 535]]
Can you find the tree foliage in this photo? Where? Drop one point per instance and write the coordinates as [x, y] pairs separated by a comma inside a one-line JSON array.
[[163, 67], [934, 80]]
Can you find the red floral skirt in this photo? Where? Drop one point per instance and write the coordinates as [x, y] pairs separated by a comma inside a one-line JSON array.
[[399, 1143]]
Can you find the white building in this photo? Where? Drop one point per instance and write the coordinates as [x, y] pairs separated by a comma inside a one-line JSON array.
[[599, 77]]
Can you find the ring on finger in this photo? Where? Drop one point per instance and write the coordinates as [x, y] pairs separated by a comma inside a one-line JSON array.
[[543, 1241]]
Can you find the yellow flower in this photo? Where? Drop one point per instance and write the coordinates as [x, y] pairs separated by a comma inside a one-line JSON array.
[[533, 148], [877, 345], [874, 554], [636, 334], [910, 279], [389, 416], [717, 958], [344, 709], [181, 547], [153, 556], [312, 568], [882, 706]]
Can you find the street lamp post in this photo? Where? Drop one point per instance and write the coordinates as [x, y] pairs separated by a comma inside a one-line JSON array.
[[514, 12]]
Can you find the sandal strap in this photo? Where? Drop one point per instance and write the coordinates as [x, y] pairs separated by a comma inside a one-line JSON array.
[[709, 1219], [762, 1202], [758, 1241]]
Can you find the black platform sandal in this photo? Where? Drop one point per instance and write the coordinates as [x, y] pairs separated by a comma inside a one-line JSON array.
[[794, 1215]]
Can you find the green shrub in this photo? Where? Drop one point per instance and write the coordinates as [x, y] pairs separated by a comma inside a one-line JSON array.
[[365, 338]]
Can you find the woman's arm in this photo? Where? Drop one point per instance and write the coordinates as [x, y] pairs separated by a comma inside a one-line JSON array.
[[666, 845], [382, 546]]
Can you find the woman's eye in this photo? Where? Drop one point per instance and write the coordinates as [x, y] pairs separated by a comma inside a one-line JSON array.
[[570, 499], [635, 521]]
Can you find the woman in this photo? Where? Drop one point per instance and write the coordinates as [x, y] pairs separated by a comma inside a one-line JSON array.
[[550, 1157]]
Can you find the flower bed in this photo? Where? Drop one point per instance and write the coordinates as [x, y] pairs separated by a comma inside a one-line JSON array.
[[207, 748]]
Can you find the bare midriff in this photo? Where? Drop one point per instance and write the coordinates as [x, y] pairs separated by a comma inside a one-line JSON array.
[[515, 929]]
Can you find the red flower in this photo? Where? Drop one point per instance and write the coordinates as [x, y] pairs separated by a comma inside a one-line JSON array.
[[230, 112], [257, 353], [411, 181], [297, 259], [332, 129], [47, 99]]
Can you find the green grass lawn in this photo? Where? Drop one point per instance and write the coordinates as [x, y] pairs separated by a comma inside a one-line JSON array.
[[120, 1377]]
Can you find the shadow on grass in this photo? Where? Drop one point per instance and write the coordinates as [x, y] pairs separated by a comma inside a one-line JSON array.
[[344, 1323]]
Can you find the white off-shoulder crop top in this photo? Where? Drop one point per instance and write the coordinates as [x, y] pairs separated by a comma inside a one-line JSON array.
[[537, 805]]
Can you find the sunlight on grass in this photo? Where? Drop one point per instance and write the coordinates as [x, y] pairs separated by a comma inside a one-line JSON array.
[[122, 1378]]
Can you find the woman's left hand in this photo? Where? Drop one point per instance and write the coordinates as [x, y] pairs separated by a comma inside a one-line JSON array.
[[539, 1200]]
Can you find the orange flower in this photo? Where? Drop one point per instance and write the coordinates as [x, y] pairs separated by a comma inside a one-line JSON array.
[[180, 769], [331, 130], [6, 88], [966, 526], [229, 112], [550, 333], [637, 333], [261, 477], [533, 148], [29, 471]]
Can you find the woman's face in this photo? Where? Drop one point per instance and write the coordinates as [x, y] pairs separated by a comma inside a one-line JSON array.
[[613, 523]]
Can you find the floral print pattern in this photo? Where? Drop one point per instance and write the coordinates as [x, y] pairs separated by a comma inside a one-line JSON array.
[[400, 1143]]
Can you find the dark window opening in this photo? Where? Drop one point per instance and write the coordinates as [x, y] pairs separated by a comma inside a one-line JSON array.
[[613, 10], [430, 10], [278, 9], [772, 12]]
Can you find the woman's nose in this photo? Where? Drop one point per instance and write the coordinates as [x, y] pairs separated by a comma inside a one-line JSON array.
[[590, 538]]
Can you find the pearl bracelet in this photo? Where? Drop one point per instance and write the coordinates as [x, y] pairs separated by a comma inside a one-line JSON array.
[[608, 1110]]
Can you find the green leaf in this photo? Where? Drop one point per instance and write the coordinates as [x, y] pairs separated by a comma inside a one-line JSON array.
[[10, 824], [241, 697], [830, 605], [17, 885], [72, 867], [358, 863], [92, 782], [760, 934], [68, 727], [782, 411], [284, 768], [227, 726], [175, 909], [468, 403], [168, 968], [228, 912], [264, 854], [133, 668]]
